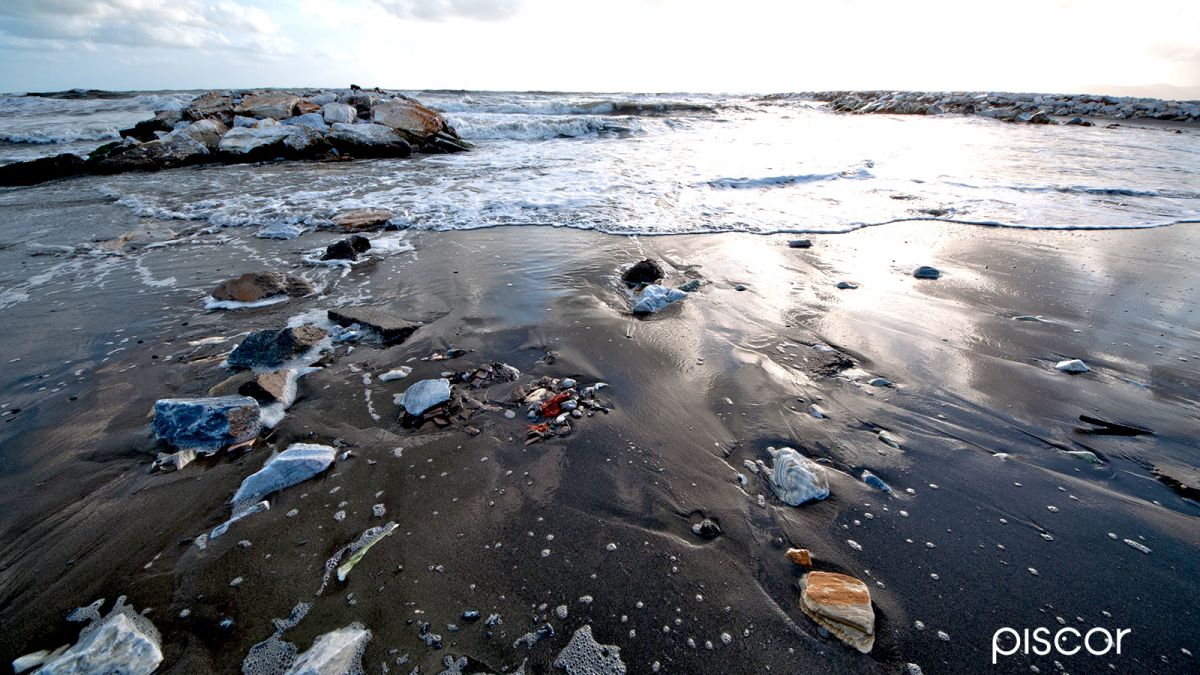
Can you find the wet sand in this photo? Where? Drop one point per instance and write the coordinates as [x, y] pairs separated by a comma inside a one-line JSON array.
[[979, 411]]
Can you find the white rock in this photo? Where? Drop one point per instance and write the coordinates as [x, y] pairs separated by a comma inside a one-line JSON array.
[[424, 395], [817, 411], [397, 374], [337, 652], [298, 463], [122, 642], [797, 479], [1072, 366]]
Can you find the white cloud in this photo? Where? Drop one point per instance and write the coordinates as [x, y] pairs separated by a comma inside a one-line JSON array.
[[437, 10], [180, 24]]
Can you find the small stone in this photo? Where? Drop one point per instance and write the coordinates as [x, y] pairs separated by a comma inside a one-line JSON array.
[[927, 272], [1072, 366], [800, 556], [842, 605], [847, 285], [800, 243], [644, 272]]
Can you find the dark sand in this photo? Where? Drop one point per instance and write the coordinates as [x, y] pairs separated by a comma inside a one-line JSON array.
[[82, 517]]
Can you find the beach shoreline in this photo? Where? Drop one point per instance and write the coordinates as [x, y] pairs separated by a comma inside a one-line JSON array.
[[979, 411]]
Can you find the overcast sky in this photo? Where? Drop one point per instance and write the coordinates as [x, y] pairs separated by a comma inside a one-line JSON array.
[[603, 45]]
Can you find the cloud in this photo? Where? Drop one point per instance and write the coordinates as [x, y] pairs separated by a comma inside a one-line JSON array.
[[438, 10], [180, 24]]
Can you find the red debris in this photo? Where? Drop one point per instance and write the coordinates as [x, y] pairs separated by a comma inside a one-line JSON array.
[[551, 408], [542, 428]]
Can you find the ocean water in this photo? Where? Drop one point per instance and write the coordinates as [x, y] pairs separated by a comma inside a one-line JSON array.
[[664, 164]]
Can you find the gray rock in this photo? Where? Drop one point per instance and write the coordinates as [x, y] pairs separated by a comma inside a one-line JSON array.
[[254, 286], [338, 113], [272, 141], [1072, 366], [312, 120], [424, 395], [368, 140], [206, 423], [926, 272], [295, 465], [207, 132], [272, 348], [797, 479], [389, 327], [800, 243], [167, 152]]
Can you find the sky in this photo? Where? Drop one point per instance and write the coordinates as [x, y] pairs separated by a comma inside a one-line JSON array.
[[754, 46]]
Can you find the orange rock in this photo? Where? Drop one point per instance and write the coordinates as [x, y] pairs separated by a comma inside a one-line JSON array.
[[842, 605], [411, 119], [304, 107], [800, 556], [358, 220]]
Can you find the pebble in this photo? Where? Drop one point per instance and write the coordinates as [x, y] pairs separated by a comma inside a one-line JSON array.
[[1072, 366]]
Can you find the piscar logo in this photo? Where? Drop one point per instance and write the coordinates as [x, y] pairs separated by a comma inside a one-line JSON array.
[[1066, 641]]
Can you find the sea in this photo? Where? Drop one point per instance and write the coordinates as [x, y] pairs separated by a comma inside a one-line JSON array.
[[665, 163]]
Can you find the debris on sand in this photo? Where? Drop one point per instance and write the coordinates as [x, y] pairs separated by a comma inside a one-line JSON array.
[[800, 243], [337, 652], [356, 550], [122, 642], [654, 298], [486, 375], [369, 539], [927, 272], [847, 285], [887, 438], [644, 272], [584, 656], [446, 355], [797, 479], [1085, 455], [552, 406], [206, 423], [709, 528], [876, 482], [817, 411], [1072, 366], [842, 605]]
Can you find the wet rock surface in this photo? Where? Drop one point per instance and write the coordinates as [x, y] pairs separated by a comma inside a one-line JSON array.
[[390, 327], [272, 348], [842, 605], [206, 423], [254, 286]]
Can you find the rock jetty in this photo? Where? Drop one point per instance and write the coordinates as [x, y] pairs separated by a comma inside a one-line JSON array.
[[1008, 107], [230, 127]]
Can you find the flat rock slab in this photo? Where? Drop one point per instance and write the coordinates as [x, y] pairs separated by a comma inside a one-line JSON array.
[[842, 605], [272, 348], [297, 464], [206, 423], [358, 220], [122, 642], [390, 327], [335, 652], [267, 387]]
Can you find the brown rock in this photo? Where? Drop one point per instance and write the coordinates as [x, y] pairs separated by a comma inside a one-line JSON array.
[[800, 556], [411, 119], [267, 387], [842, 605], [304, 107], [254, 286], [268, 104], [231, 385], [212, 104], [358, 220]]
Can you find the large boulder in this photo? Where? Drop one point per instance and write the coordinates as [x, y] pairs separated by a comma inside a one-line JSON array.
[[273, 348], [167, 152], [207, 132], [254, 286], [368, 140], [411, 119], [278, 105], [243, 144], [842, 605], [312, 120], [147, 130], [213, 104], [206, 423], [339, 113], [42, 169]]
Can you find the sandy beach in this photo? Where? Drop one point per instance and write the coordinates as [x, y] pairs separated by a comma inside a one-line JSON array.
[[991, 523]]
